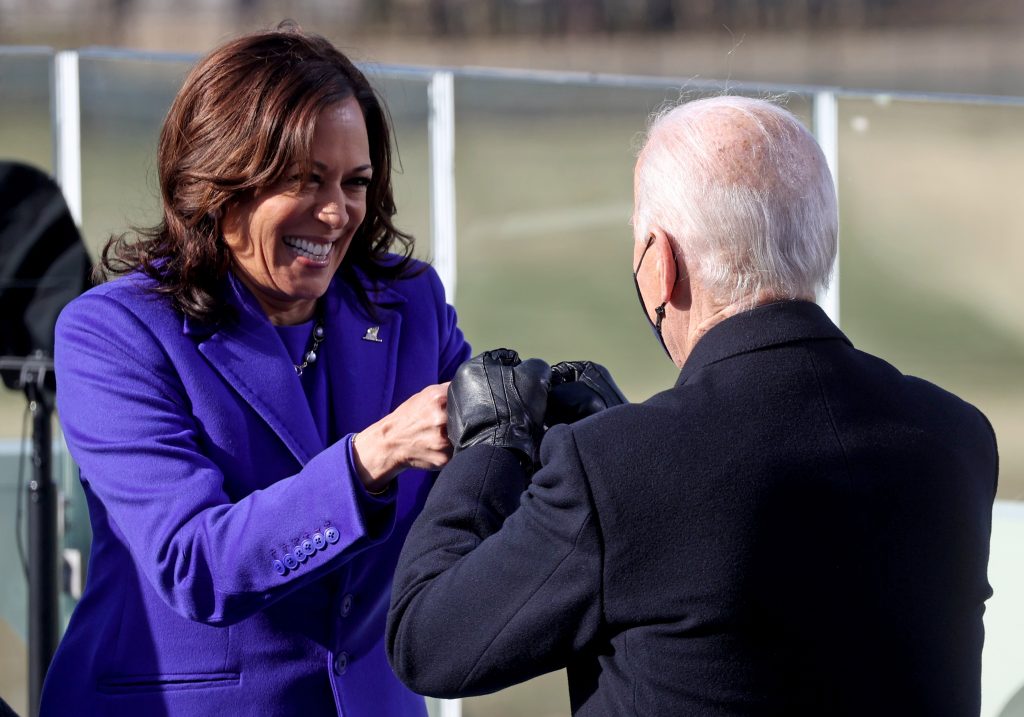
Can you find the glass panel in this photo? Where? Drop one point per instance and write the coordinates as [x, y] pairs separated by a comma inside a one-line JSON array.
[[544, 197], [25, 134], [931, 251], [124, 102], [545, 194], [406, 102]]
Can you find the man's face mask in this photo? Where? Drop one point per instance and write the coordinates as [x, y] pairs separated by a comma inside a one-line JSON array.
[[659, 311]]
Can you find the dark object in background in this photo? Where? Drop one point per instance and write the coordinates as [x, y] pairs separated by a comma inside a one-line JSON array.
[[5, 709], [43, 264]]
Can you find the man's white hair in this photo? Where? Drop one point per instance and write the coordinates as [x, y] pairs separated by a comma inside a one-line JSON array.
[[743, 189]]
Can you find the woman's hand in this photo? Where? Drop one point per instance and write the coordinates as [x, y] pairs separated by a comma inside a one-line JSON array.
[[414, 435]]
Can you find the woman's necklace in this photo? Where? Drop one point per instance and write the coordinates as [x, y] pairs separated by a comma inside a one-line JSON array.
[[310, 356]]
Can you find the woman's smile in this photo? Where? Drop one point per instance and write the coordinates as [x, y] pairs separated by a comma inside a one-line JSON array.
[[315, 251]]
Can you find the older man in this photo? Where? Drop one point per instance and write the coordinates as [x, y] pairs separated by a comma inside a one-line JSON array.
[[795, 528]]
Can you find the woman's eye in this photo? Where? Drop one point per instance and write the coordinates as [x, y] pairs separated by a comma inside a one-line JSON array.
[[359, 182], [305, 178]]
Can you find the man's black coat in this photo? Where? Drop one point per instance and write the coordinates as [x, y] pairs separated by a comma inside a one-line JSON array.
[[796, 528]]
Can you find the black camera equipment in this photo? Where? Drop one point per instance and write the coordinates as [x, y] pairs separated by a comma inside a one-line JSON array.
[[43, 265]]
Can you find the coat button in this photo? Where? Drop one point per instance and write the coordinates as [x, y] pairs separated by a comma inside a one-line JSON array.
[[346, 605], [340, 663], [279, 567], [332, 536], [290, 561], [318, 541], [307, 547], [300, 554]]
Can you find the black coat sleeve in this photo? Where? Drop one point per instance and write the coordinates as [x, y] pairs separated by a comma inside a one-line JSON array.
[[499, 579]]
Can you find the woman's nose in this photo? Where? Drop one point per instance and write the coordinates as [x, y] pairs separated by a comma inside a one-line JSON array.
[[332, 214]]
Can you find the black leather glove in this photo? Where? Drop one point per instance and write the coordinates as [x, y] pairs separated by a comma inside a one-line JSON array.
[[497, 400], [579, 389]]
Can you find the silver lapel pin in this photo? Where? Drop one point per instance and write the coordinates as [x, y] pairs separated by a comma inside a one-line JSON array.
[[371, 335]]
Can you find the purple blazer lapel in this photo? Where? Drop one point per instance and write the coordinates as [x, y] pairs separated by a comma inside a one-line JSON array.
[[362, 356], [249, 355]]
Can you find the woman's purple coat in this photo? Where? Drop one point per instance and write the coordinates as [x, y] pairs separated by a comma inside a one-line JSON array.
[[237, 566]]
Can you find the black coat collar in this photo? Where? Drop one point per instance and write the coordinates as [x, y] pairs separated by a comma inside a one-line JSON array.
[[763, 326]]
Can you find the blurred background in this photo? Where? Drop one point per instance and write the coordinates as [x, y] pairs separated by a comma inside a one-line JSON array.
[[549, 101], [940, 45]]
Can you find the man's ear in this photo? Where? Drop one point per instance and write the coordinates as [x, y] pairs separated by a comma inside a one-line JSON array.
[[664, 257], [673, 287]]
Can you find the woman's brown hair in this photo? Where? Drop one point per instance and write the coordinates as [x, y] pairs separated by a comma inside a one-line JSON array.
[[246, 114]]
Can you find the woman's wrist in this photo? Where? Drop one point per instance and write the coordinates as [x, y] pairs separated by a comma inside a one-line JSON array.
[[372, 458]]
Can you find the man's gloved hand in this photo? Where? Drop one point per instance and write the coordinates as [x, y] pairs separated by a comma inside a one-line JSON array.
[[497, 400], [579, 389]]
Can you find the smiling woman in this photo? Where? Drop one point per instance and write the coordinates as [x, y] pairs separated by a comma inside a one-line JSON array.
[[288, 241], [256, 401]]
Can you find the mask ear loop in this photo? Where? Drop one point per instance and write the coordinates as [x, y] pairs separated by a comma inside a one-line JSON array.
[[659, 311]]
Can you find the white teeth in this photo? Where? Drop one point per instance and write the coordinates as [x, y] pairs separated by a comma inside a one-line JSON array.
[[309, 249]]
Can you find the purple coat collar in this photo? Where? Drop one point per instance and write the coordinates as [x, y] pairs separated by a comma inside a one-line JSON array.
[[360, 355]]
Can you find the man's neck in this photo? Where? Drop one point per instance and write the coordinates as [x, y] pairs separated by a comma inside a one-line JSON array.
[[705, 312]]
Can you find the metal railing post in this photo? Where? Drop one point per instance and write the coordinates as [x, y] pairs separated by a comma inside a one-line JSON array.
[[441, 128], [67, 133]]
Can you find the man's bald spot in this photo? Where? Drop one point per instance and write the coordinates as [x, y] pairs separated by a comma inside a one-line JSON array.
[[755, 147]]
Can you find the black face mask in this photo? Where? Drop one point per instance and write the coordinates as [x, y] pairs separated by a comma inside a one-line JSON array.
[[659, 311]]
